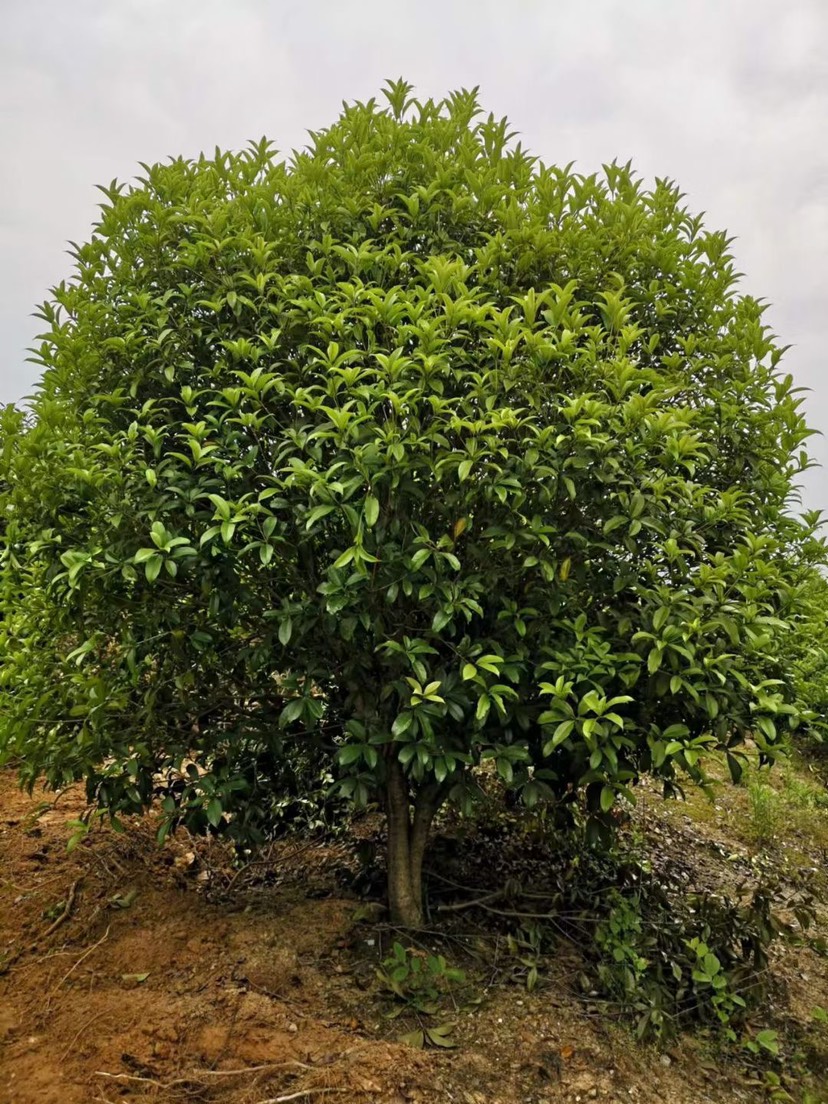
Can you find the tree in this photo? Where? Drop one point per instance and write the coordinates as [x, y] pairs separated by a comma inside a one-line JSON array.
[[804, 649], [413, 450]]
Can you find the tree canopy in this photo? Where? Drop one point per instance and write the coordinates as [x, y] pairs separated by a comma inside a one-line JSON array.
[[411, 449]]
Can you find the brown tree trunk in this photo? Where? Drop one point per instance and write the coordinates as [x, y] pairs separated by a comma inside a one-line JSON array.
[[426, 804], [407, 840]]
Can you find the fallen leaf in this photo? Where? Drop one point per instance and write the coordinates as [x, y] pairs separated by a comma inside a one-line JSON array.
[[413, 1039], [441, 1035], [123, 900], [134, 979]]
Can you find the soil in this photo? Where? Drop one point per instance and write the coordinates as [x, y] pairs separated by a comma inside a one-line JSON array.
[[130, 972]]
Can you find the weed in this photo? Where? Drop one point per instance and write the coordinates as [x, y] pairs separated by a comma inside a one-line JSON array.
[[420, 983], [763, 811], [665, 957], [800, 793], [763, 1042]]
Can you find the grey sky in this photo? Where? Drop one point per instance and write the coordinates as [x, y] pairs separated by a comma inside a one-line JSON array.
[[728, 97]]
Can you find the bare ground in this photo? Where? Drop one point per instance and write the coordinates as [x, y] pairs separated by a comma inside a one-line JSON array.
[[172, 976]]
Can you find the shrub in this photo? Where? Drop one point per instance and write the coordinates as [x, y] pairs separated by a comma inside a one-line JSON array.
[[414, 448]]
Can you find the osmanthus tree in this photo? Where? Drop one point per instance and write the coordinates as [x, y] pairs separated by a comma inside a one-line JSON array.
[[804, 649], [412, 450]]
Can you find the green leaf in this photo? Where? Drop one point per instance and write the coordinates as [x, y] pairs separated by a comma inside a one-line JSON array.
[[316, 514], [402, 723], [768, 1040], [292, 711], [440, 620], [561, 733], [767, 727], [345, 558], [660, 618], [371, 510], [491, 663], [214, 811], [711, 965], [152, 567], [285, 630], [735, 766], [208, 534], [504, 769], [607, 798], [222, 506]]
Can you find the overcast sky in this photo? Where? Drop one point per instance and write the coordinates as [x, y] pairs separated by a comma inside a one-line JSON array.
[[728, 97]]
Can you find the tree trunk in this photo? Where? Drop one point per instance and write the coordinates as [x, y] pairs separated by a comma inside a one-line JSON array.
[[407, 841]]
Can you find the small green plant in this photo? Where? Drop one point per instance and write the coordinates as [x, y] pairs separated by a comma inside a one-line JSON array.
[[669, 959], [763, 1042], [802, 794], [778, 1094], [80, 830], [420, 983], [791, 1070], [418, 980], [55, 910], [526, 947], [710, 980], [764, 811], [83, 825], [619, 936]]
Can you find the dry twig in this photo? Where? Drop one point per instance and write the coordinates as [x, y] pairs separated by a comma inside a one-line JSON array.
[[87, 1024], [71, 971], [251, 1069], [195, 1077], [457, 905], [135, 1077], [67, 908], [299, 1095]]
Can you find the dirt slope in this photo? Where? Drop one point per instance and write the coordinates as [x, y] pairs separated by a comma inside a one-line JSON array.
[[165, 982]]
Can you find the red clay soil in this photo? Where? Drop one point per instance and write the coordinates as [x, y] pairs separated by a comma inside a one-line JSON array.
[[155, 987]]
